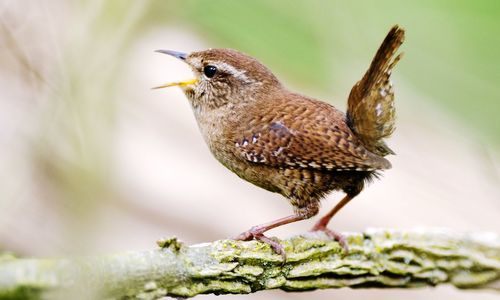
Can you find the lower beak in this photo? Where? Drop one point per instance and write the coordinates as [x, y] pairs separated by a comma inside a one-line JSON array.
[[180, 83]]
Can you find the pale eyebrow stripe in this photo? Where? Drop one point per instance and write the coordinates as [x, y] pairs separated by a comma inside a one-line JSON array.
[[241, 75]]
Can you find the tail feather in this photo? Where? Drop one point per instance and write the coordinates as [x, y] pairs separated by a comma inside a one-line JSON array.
[[370, 107]]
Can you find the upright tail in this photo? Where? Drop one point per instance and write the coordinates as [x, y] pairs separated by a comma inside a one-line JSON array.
[[370, 107]]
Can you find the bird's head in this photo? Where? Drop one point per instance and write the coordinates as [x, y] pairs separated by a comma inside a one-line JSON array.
[[223, 76]]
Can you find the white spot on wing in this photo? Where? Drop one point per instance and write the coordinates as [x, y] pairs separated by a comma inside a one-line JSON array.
[[383, 92], [378, 109], [279, 151], [314, 165]]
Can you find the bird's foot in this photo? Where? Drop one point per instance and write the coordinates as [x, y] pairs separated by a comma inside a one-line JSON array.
[[337, 236], [256, 233]]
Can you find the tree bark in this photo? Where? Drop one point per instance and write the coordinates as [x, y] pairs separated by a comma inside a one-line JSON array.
[[376, 258]]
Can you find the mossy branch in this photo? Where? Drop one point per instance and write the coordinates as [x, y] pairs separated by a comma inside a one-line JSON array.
[[377, 258]]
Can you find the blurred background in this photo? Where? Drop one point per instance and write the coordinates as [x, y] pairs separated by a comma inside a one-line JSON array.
[[93, 161]]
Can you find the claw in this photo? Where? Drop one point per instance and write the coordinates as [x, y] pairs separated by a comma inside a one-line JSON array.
[[255, 233], [277, 247], [337, 236], [245, 236]]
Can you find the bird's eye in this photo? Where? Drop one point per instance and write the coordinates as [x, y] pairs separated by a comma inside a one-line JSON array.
[[209, 71]]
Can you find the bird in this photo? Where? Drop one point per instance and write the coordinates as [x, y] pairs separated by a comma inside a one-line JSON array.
[[289, 143]]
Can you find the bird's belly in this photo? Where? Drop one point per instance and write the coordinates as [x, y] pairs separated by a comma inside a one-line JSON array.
[[257, 174], [300, 186]]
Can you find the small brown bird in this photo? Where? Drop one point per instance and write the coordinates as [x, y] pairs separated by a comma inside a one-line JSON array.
[[288, 143]]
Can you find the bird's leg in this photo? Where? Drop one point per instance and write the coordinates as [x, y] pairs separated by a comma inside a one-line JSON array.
[[323, 222], [257, 232]]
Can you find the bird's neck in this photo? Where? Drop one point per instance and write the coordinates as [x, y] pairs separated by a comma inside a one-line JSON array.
[[213, 121]]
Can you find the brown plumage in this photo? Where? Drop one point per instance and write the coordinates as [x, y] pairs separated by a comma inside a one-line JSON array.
[[288, 143], [370, 110]]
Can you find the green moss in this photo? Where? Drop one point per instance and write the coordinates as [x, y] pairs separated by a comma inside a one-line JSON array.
[[171, 243], [196, 288]]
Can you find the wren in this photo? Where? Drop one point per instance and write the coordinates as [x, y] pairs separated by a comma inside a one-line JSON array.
[[289, 143]]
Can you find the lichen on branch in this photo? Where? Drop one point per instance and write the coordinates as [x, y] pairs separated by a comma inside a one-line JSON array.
[[376, 258]]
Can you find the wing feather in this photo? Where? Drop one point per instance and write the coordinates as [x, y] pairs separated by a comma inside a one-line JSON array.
[[313, 139]]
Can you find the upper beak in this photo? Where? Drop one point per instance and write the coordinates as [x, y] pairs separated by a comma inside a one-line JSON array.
[[182, 56], [176, 54]]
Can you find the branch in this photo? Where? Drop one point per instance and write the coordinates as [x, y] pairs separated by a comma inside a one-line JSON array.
[[377, 258]]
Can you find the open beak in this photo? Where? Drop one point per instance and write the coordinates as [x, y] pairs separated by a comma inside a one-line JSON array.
[[182, 56]]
